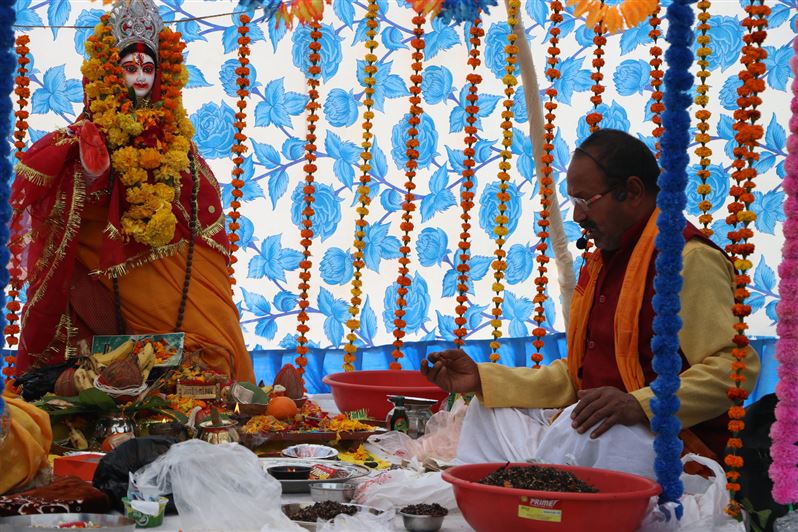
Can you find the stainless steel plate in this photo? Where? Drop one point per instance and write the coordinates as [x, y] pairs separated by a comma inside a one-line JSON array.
[[307, 525], [345, 472], [51, 522]]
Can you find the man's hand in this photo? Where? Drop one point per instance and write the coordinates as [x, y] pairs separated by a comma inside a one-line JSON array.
[[453, 370], [609, 404]]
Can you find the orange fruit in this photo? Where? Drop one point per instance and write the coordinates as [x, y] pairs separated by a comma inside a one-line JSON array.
[[282, 408]]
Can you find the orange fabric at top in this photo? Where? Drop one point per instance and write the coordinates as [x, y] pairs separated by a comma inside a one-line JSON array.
[[626, 314], [24, 451], [150, 296]]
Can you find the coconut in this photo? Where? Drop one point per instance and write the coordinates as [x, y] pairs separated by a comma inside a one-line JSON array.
[[65, 385], [122, 374], [289, 378]]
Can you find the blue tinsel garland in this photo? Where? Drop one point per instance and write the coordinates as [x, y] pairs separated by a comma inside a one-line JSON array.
[[8, 65], [670, 243], [458, 11]]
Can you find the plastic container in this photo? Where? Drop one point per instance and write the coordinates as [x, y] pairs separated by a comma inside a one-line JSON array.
[[620, 505], [355, 390], [143, 520]]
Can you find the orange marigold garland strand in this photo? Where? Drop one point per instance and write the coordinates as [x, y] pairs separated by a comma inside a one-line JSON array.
[[593, 119], [546, 182], [403, 280], [467, 188], [748, 133], [657, 107], [364, 191], [703, 151], [499, 265], [312, 107], [238, 148], [22, 92]]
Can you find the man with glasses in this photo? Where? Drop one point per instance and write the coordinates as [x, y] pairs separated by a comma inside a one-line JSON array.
[[604, 382]]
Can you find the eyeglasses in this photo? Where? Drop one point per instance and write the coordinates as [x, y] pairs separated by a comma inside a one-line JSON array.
[[585, 204]]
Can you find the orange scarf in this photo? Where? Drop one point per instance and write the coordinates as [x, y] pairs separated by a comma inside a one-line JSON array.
[[626, 313]]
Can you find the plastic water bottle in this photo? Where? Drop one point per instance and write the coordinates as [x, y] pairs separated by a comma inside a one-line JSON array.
[[787, 523]]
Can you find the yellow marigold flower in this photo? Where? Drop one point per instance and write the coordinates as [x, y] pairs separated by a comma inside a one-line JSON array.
[[149, 158], [743, 264], [746, 216], [125, 158], [133, 176], [161, 229]]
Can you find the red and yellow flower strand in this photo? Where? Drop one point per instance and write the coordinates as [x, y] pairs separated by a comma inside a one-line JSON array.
[[309, 191], [15, 247], [499, 265], [599, 39], [239, 148], [467, 188], [546, 182], [364, 191], [408, 206], [656, 74], [703, 151], [748, 134]]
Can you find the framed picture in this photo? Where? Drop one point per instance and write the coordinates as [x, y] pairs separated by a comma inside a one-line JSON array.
[[168, 347]]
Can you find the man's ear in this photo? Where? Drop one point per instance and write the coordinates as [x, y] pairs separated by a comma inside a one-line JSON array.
[[634, 190]]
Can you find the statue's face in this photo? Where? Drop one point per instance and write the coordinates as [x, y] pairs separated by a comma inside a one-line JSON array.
[[139, 72]]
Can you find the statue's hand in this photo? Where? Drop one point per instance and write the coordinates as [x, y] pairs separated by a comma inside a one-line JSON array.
[[93, 152]]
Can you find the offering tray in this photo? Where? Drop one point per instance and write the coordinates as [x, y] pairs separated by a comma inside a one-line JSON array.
[[345, 472], [52, 522], [307, 525]]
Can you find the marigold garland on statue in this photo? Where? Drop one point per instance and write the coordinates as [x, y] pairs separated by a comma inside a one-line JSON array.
[[670, 243], [702, 137], [364, 190], [239, 148], [784, 432], [656, 75], [309, 191], [599, 40], [500, 231], [149, 219], [741, 217], [408, 206], [22, 92], [626, 14], [546, 182], [467, 187]]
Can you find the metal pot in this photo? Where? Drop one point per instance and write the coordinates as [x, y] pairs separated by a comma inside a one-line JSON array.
[[224, 432], [113, 424]]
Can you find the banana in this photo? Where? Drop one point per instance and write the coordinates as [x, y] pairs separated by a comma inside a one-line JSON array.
[[84, 378], [76, 438], [146, 360], [117, 354]]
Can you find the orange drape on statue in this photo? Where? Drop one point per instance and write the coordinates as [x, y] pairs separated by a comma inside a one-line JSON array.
[[24, 451], [150, 296]]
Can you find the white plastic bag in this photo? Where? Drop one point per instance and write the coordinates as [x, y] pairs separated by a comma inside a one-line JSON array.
[[703, 501], [401, 487], [217, 487], [362, 521]]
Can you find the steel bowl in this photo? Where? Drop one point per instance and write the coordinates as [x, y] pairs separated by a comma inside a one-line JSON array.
[[45, 522], [310, 451], [332, 491], [422, 523]]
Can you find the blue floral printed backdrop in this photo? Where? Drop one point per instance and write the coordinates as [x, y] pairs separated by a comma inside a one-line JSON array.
[[267, 271]]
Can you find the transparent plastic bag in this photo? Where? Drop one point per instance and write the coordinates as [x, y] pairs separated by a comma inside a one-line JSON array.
[[217, 487], [363, 521], [401, 487]]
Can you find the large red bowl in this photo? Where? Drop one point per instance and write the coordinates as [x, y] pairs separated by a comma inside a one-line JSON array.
[[354, 390], [619, 506]]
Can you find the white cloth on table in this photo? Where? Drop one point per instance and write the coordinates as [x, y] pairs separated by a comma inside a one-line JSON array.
[[519, 435]]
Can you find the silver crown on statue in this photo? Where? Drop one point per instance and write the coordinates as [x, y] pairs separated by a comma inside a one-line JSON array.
[[136, 21]]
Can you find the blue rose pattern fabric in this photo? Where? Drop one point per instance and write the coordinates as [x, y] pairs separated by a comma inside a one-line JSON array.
[[268, 265]]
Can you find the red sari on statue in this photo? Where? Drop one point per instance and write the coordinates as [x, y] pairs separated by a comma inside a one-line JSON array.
[[73, 248]]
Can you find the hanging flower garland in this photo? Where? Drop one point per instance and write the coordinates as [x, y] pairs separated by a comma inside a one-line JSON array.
[[7, 66], [499, 265], [22, 92], [458, 11], [670, 243], [626, 14], [467, 187], [593, 119], [364, 191], [741, 217], [149, 219], [656, 78], [309, 190], [784, 432], [546, 182], [239, 148], [408, 206], [703, 151]]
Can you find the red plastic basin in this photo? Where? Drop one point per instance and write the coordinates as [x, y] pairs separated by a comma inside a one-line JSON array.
[[619, 506], [353, 390]]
